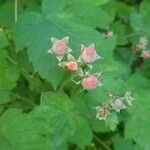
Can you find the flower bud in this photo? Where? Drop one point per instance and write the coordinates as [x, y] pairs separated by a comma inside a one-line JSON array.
[[88, 54], [90, 82], [102, 112], [117, 105]]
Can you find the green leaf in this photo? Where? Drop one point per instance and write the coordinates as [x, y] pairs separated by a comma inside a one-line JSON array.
[[140, 21], [83, 131], [100, 126], [75, 10], [3, 39], [5, 145], [122, 31], [21, 131], [58, 99], [8, 76], [67, 125], [112, 77], [112, 120], [7, 11], [137, 127], [106, 49], [33, 31], [124, 144], [119, 8], [144, 7]]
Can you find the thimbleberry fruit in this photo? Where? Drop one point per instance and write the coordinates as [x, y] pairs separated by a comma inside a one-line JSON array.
[[59, 47], [90, 82], [88, 54], [71, 66]]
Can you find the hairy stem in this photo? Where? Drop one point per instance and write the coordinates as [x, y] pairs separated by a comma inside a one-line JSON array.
[[15, 10]]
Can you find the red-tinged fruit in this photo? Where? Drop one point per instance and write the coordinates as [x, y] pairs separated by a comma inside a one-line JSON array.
[[59, 47], [88, 54], [71, 66], [145, 54], [90, 82]]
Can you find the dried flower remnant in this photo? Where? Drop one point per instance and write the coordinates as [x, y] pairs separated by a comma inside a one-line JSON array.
[[108, 34], [141, 45], [1, 30], [117, 105], [59, 47], [88, 54], [128, 98], [102, 112], [145, 54]]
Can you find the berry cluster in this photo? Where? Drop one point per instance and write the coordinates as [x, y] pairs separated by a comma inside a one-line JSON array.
[[114, 104], [88, 81], [87, 57], [142, 47]]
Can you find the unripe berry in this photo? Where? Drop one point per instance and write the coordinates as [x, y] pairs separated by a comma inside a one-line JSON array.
[[90, 82], [88, 54], [59, 47], [71, 66]]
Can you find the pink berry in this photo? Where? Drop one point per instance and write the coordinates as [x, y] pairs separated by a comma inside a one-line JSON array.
[[71, 66], [90, 82], [89, 55], [59, 47]]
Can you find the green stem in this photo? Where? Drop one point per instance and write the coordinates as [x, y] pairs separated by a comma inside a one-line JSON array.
[[65, 82], [22, 70], [101, 142], [11, 60], [15, 10]]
